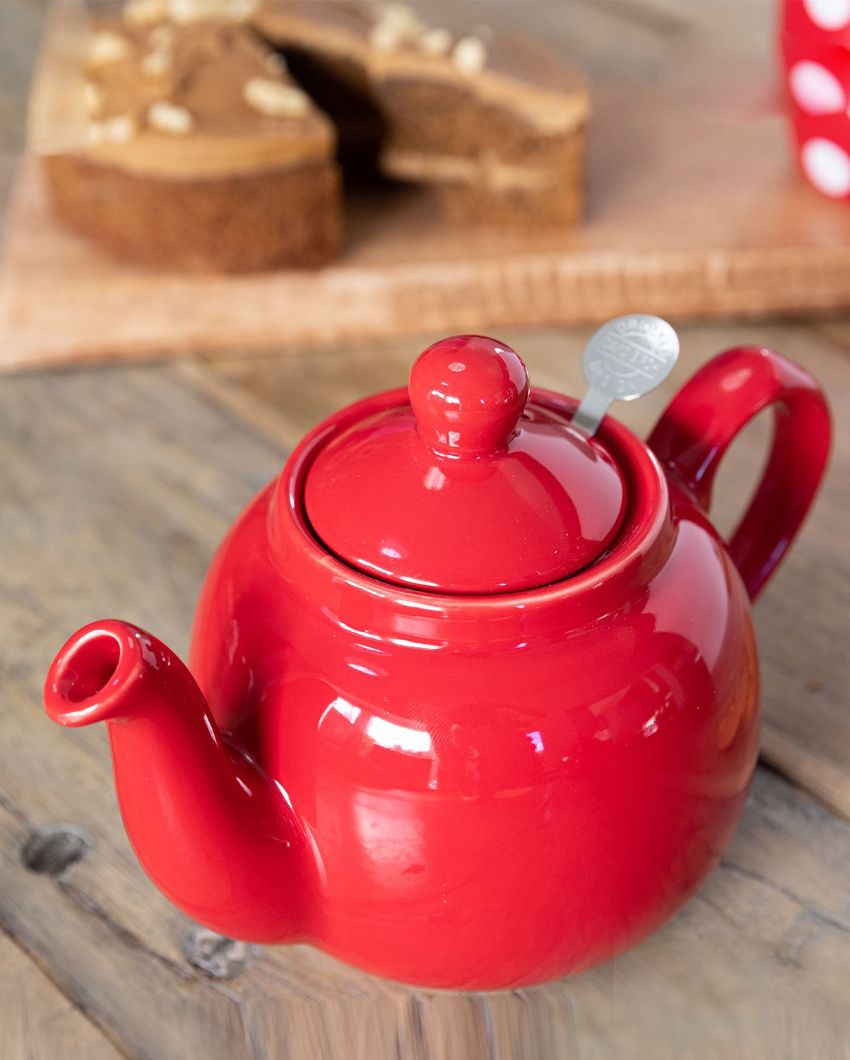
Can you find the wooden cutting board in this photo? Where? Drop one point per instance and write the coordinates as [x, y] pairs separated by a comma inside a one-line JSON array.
[[694, 209]]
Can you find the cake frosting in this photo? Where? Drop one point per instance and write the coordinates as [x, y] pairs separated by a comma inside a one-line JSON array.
[[202, 98]]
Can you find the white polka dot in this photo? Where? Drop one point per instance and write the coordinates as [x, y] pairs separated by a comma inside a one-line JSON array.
[[816, 89], [827, 166], [829, 14]]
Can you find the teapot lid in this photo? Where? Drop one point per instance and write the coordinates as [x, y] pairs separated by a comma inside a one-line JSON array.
[[467, 489]]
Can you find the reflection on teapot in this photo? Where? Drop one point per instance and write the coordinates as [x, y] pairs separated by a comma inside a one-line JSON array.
[[473, 700]]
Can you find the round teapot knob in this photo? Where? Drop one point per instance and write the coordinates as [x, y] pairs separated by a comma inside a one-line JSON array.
[[468, 394]]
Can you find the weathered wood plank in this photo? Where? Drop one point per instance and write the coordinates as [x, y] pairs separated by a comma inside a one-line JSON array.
[[37, 1022], [20, 28], [803, 619], [119, 484]]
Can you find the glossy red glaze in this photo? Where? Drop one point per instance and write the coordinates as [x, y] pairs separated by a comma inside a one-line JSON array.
[[460, 791], [468, 394], [465, 489], [211, 829], [816, 21], [704, 418], [814, 47]]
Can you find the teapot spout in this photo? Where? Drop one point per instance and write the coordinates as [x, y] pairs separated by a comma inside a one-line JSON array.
[[213, 832]]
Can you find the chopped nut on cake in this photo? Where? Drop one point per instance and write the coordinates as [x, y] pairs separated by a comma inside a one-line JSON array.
[[437, 42], [275, 99], [187, 11], [469, 55], [170, 118], [93, 97], [144, 12], [109, 48], [156, 63], [116, 130]]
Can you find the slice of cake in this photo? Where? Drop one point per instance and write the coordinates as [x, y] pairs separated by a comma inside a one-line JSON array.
[[202, 151], [493, 120]]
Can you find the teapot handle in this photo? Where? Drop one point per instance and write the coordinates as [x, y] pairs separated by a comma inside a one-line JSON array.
[[704, 417]]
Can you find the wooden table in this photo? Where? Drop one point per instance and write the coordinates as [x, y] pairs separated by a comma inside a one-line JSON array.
[[117, 484]]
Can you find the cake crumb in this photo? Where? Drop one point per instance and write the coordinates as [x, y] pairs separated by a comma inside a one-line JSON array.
[[435, 42], [170, 118], [469, 56], [274, 99], [117, 130], [109, 48]]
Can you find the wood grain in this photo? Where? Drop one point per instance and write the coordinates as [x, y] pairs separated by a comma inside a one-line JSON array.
[[20, 28], [37, 1021], [694, 209]]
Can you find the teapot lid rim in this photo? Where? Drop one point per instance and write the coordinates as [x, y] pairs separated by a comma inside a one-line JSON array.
[[640, 551], [464, 489]]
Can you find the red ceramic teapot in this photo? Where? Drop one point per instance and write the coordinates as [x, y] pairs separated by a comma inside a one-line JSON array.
[[475, 695]]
